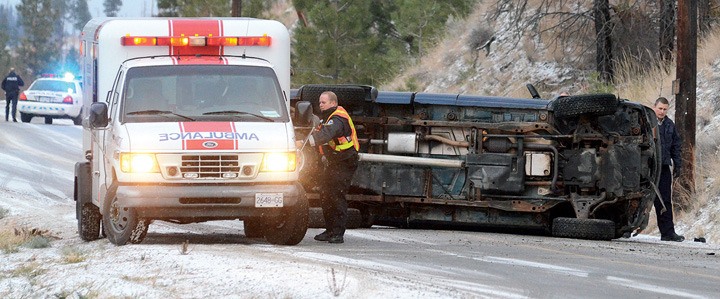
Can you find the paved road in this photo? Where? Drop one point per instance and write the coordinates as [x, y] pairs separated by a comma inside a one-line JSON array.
[[36, 163]]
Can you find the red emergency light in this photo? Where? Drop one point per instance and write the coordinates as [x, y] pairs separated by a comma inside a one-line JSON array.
[[196, 41]]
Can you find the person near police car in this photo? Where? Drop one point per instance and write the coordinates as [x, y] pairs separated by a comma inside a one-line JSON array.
[[337, 142], [11, 85], [670, 141]]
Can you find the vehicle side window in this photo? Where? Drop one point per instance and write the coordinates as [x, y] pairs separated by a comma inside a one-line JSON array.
[[114, 96]]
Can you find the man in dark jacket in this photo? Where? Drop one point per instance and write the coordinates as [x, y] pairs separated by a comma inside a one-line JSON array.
[[11, 85], [337, 141], [670, 141]]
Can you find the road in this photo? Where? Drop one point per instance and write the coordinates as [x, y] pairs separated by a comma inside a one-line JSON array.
[[36, 171]]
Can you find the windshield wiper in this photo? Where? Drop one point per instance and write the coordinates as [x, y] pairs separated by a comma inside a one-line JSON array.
[[231, 112], [157, 112]]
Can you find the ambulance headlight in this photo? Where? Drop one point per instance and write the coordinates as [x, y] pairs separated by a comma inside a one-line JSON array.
[[279, 162], [138, 163]]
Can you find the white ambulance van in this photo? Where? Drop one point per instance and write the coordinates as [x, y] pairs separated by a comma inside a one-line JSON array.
[[188, 120]]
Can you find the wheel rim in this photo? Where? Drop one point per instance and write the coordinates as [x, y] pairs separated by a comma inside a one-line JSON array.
[[119, 217]]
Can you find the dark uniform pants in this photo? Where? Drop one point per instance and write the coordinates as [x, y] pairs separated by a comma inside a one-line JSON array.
[[336, 183], [11, 99], [665, 220]]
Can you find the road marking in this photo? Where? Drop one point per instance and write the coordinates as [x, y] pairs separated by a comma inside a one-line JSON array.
[[651, 287], [524, 263], [398, 240]]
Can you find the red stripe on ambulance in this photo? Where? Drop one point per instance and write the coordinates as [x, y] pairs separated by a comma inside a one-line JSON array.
[[208, 135], [193, 28]]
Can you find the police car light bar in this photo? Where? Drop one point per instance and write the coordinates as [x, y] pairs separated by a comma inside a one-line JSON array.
[[196, 41]]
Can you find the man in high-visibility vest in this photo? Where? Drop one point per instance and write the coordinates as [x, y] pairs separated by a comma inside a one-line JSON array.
[[338, 144]]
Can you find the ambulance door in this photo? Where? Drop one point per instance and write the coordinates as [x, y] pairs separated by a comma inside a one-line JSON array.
[[102, 138]]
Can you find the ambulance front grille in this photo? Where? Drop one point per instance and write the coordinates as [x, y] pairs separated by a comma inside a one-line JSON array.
[[209, 166]]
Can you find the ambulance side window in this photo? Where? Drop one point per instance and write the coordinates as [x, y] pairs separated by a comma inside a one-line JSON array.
[[115, 93]]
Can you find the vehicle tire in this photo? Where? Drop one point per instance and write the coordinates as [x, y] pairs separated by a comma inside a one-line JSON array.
[[354, 219], [254, 228], [316, 218], [87, 213], [48, 120], [122, 224], [25, 117], [290, 227], [367, 218], [590, 229], [590, 104]]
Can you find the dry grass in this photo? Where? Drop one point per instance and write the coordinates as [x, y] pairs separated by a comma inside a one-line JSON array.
[[10, 242], [29, 270], [72, 255], [12, 239], [643, 83]]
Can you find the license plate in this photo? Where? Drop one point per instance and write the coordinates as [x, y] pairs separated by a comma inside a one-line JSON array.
[[268, 200], [46, 99]]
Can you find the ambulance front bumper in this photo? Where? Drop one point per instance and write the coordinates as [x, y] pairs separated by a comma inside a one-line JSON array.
[[209, 201]]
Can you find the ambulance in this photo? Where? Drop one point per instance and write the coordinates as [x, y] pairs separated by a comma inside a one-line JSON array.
[[188, 120]]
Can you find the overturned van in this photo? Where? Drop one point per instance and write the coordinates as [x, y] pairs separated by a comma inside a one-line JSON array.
[[583, 166]]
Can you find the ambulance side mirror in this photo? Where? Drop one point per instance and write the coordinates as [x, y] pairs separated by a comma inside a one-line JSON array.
[[98, 115], [303, 114]]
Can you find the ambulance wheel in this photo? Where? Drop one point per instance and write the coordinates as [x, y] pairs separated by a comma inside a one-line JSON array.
[[48, 120], [254, 228], [290, 226], [122, 224], [89, 222], [25, 117], [88, 214]]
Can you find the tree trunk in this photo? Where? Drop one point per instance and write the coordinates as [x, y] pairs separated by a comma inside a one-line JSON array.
[[667, 30], [236, 8], [603, 30], [685, 99]]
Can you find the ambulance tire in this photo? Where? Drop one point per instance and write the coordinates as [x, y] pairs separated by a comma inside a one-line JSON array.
[[254, 228], [25, 117], [122, 225], [87, 213], [290, 226], [48, 120]]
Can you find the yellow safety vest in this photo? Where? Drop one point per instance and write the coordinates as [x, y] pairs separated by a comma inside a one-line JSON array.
[[344, 142]]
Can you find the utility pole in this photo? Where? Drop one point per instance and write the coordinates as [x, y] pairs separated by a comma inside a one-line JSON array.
[[684, 88], [236, 8]]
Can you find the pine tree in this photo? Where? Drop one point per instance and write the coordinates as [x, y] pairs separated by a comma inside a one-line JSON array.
[[112, 7], [39, 48], [81, 14]]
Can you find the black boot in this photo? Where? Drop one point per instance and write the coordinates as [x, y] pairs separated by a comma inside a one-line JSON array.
[[324, 236], [336, 239]]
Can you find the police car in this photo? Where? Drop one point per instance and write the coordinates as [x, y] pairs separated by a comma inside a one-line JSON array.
[[52, 98]]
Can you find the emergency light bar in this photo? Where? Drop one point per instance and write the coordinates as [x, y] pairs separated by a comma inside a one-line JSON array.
[[196, 41]]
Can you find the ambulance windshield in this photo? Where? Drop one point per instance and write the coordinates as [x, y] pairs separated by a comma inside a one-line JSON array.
[[203, 93]]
